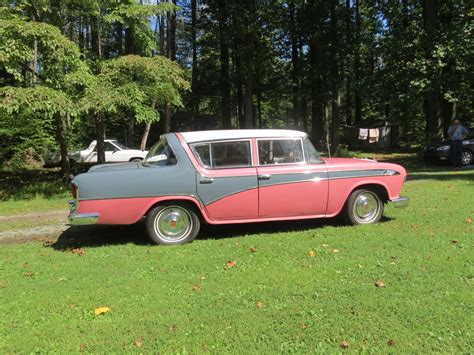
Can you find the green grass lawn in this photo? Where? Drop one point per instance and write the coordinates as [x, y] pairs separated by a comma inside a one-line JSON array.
[[277, 298], [29, 191]]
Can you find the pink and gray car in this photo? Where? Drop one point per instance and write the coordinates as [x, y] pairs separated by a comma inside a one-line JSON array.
[[233, 176]]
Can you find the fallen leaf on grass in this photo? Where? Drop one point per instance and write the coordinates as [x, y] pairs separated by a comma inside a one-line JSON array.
[[324, 245], [392, 342], [253, 250], [335, 251], [78, 251], [173, 328], [230, 264], [139, 343], [380, 284], [72, 306], [359, 266], [101, 310], [62, 279], [202, 277], [259, 304], [345, 344], [469, 220], [4, 285], [26, 265], [28, 273], [305, 326], [454, 241], [197, 287], [312, 253]]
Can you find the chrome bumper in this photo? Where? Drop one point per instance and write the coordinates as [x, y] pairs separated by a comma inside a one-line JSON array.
[[402, 201], [80, 219]]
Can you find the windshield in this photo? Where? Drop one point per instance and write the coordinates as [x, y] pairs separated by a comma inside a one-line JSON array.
[[312, 155], [120, 145], [160, 154]]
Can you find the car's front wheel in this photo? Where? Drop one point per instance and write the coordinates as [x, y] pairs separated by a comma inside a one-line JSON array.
[[363, 206], [173, 223], [466, 157]]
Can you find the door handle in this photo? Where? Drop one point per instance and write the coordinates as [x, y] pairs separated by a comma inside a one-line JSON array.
[[206, 180], [264, 177]]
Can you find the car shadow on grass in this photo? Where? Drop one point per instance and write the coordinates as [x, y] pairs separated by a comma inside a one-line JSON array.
[[101, 236]]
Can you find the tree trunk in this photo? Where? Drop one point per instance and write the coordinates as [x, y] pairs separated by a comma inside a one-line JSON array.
[[432, 93], [349, 40], [162, 35], [147, 130], [131, 130], [239, 91], [61, 137], [129, 41], [335, 78], [295, 72], [248, 98], [224, 65], [96, 42], [357, 76], [145, 136], [317, 121], [171, 50], [100, 136], [194, 78], [167, 120]]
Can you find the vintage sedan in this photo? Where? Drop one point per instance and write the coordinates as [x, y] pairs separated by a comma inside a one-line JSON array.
[[233, 176]]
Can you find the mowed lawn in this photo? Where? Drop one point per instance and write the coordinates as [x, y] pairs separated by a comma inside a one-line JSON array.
[[403, 285]]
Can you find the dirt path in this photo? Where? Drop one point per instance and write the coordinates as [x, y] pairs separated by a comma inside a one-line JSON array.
[[33, 216], [50, 225]]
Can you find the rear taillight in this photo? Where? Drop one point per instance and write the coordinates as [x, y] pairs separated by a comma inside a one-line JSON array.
[[74, 190]]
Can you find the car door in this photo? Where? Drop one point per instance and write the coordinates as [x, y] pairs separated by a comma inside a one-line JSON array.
[[227, 179], [292, 180], [112, 153]]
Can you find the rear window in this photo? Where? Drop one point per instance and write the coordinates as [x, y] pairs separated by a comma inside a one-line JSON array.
[[228, 154]]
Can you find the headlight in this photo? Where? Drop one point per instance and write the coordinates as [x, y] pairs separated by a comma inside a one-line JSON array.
[[443, 147]]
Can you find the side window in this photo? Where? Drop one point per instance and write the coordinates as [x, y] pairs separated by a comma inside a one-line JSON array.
[[110, 147], [203, 153], [280, 151], [224, 154]]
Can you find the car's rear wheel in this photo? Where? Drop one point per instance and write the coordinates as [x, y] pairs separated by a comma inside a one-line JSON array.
[[363, 206], [136, 160], [466, 157], [171, 224]]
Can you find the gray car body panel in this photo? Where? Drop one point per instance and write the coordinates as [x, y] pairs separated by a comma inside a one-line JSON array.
[[136, 180]]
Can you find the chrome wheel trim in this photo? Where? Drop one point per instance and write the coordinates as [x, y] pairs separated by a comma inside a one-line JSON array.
[[173, 224], [366, 207], [466, 157]]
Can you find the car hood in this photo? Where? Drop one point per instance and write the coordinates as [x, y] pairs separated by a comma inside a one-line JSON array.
[[360, 164], [115, 167]]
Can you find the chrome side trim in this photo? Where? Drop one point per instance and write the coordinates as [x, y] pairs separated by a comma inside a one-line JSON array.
[[402, 201], [81, 219]]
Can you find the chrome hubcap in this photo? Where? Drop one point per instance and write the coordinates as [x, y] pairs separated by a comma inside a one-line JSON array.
[[366, 207], [173, 224], [465, 158]]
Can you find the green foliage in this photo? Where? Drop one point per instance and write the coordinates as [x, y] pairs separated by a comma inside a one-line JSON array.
[[136, 84]]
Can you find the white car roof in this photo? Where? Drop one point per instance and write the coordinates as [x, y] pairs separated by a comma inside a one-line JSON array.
[[200, 136]]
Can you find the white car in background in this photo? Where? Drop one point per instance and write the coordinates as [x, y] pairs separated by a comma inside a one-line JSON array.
[[115, 152]]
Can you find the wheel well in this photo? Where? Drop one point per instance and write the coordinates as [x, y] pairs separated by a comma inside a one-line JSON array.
[[140, 158], [378, 189], [187, 203]]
